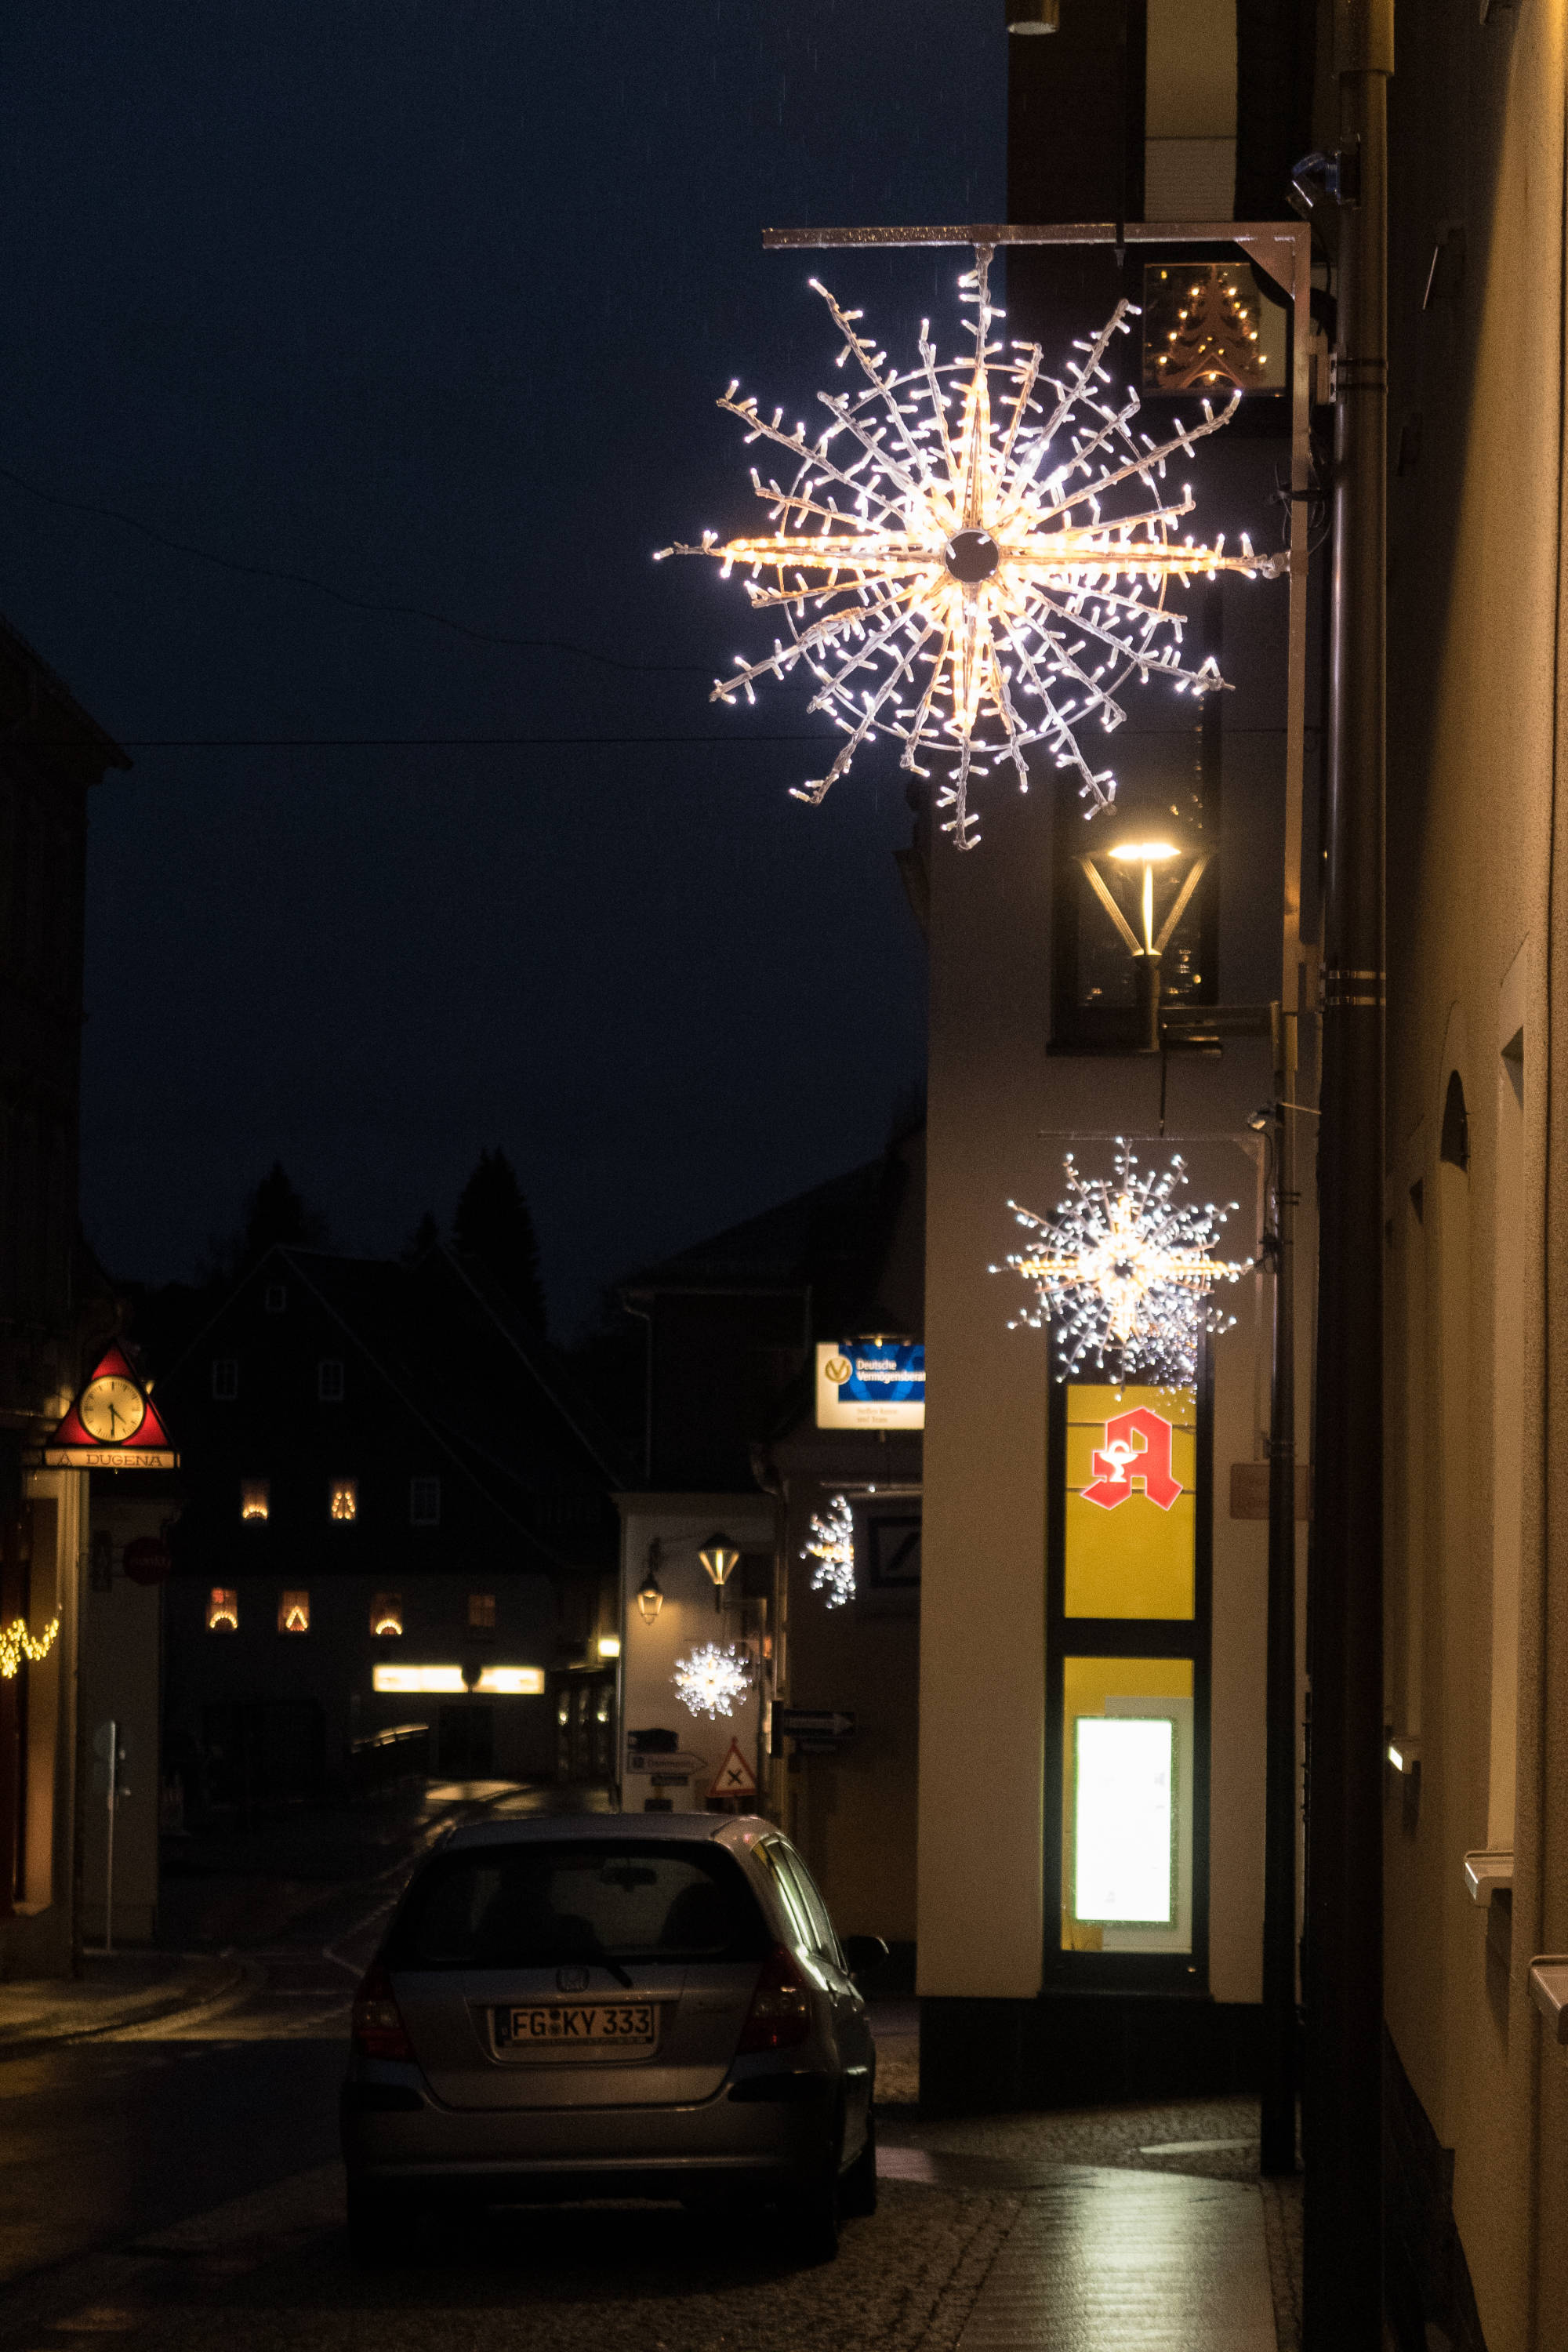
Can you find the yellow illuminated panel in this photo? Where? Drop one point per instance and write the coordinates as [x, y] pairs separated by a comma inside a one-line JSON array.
[[1088, 1686], [1132, 1501], [494, 1682]]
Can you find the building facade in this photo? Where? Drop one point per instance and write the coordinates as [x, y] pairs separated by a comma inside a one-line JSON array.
[[397, 1546], [53, 1301]]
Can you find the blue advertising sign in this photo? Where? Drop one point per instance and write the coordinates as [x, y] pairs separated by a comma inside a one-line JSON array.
[[870, 1384]]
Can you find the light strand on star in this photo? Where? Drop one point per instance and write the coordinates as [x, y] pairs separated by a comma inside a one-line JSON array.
[[831, 1544], [972, 557], [712, 1681], [1123, 1273]]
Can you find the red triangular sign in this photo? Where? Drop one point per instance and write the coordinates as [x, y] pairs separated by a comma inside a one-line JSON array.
[[149, 1436], [734, 1776]]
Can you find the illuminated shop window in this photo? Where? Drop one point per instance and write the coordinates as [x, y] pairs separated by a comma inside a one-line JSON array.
[[424, 1502], [483, 1611], [386, 1613], [255, 1500], [223, 1610], [1132, 1501], [1127, 1811], [294, 1613], [329, 1380], [275, 1299], [342, 1498], [225, 1379]]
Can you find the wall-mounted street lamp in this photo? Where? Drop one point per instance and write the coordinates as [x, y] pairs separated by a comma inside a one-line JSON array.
[[721, 1558], [650, 1594], [1131, 878]]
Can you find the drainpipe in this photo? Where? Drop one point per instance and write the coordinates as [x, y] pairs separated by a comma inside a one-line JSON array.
[[1342, 2302]]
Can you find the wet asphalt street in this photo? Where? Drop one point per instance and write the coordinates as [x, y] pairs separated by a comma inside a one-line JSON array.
[[175, 2185]]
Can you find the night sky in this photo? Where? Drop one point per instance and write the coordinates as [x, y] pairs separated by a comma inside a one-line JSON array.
[[428, 300]]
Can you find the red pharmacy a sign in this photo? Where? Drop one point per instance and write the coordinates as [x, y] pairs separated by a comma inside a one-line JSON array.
[[1136, 1454]]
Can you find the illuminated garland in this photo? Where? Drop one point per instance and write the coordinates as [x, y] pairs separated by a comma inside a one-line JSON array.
[[16, 1643], [831, 1544], [712, 1681], [973, 557], [1122, 1272]]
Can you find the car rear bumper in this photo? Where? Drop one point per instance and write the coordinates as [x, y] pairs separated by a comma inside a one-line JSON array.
[[591, 2152]]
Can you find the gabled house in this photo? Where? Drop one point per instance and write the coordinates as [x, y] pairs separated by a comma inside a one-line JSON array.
[[397, 1545]]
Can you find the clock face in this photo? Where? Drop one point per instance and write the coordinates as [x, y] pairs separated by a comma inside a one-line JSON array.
[[112, 1408]]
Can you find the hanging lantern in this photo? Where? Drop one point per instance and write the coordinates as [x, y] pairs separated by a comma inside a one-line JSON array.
[[721, 1558], [651, 1593]]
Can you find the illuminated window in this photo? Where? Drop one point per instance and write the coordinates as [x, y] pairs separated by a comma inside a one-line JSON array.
[[255, 1500], [330, 1380], [294, 1613], [386, 1613], [223, 1610], [225, 1379], [424, 1502], [275, 1299], [342, 1498], [483, 1611]]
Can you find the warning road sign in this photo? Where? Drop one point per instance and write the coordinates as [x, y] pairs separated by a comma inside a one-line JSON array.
[[735, 1776]]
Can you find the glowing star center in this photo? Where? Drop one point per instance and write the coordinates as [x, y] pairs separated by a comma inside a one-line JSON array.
[[971, 556]]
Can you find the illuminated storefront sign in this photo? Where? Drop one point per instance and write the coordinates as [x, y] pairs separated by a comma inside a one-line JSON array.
[[1124, 1846], [493, 1682], [1128, 1631], [870, 1384]]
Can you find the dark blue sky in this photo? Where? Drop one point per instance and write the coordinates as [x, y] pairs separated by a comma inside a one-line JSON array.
[[429, 299]]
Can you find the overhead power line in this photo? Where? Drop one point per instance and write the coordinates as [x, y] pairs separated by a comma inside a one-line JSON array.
[[342, 595]]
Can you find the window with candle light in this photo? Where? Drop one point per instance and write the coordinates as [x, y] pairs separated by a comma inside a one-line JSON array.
[[342, 1501], [294, 1613], [223, 1610], [386, 1615], [255, 1501]]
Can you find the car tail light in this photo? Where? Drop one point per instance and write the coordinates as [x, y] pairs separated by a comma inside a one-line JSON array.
[[378, 2028], [780, 2014]]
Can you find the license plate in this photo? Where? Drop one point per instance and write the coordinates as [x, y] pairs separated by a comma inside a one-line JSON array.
[[551, 2025]]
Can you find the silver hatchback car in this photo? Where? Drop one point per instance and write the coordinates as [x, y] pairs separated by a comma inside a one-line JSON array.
[[612, 2005]]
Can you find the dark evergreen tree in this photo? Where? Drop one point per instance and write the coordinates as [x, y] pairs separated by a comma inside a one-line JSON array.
[[492, 1226], [274, 1212], [422, 1240]]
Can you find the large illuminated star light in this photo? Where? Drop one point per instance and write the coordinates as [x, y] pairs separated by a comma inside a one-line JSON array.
[[712, 1681], [975, 557], [1124, 1273], [831, 1544]]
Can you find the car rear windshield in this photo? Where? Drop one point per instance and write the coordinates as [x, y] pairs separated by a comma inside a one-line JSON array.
[[542, 1907]]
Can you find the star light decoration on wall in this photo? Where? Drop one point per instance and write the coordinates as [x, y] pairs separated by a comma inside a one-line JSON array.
[[831, 1544], [974, 556], [712, 1681], [1123, 1272]]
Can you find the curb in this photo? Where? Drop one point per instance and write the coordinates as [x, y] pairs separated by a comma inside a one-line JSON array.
[[46, 2034]]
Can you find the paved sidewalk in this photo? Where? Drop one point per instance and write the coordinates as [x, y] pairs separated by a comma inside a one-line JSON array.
[[1129, 2261], [113, 1991]]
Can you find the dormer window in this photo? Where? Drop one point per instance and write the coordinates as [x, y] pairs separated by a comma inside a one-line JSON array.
[[225, 1379], [275, 1299], [330, 1380], [424, 1502]]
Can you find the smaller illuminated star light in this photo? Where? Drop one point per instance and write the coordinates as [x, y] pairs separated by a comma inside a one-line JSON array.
[[712, 1681], [1124, 1272], [831, 1544]]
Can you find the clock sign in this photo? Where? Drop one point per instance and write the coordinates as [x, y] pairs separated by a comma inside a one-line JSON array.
[[113, 1426]]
